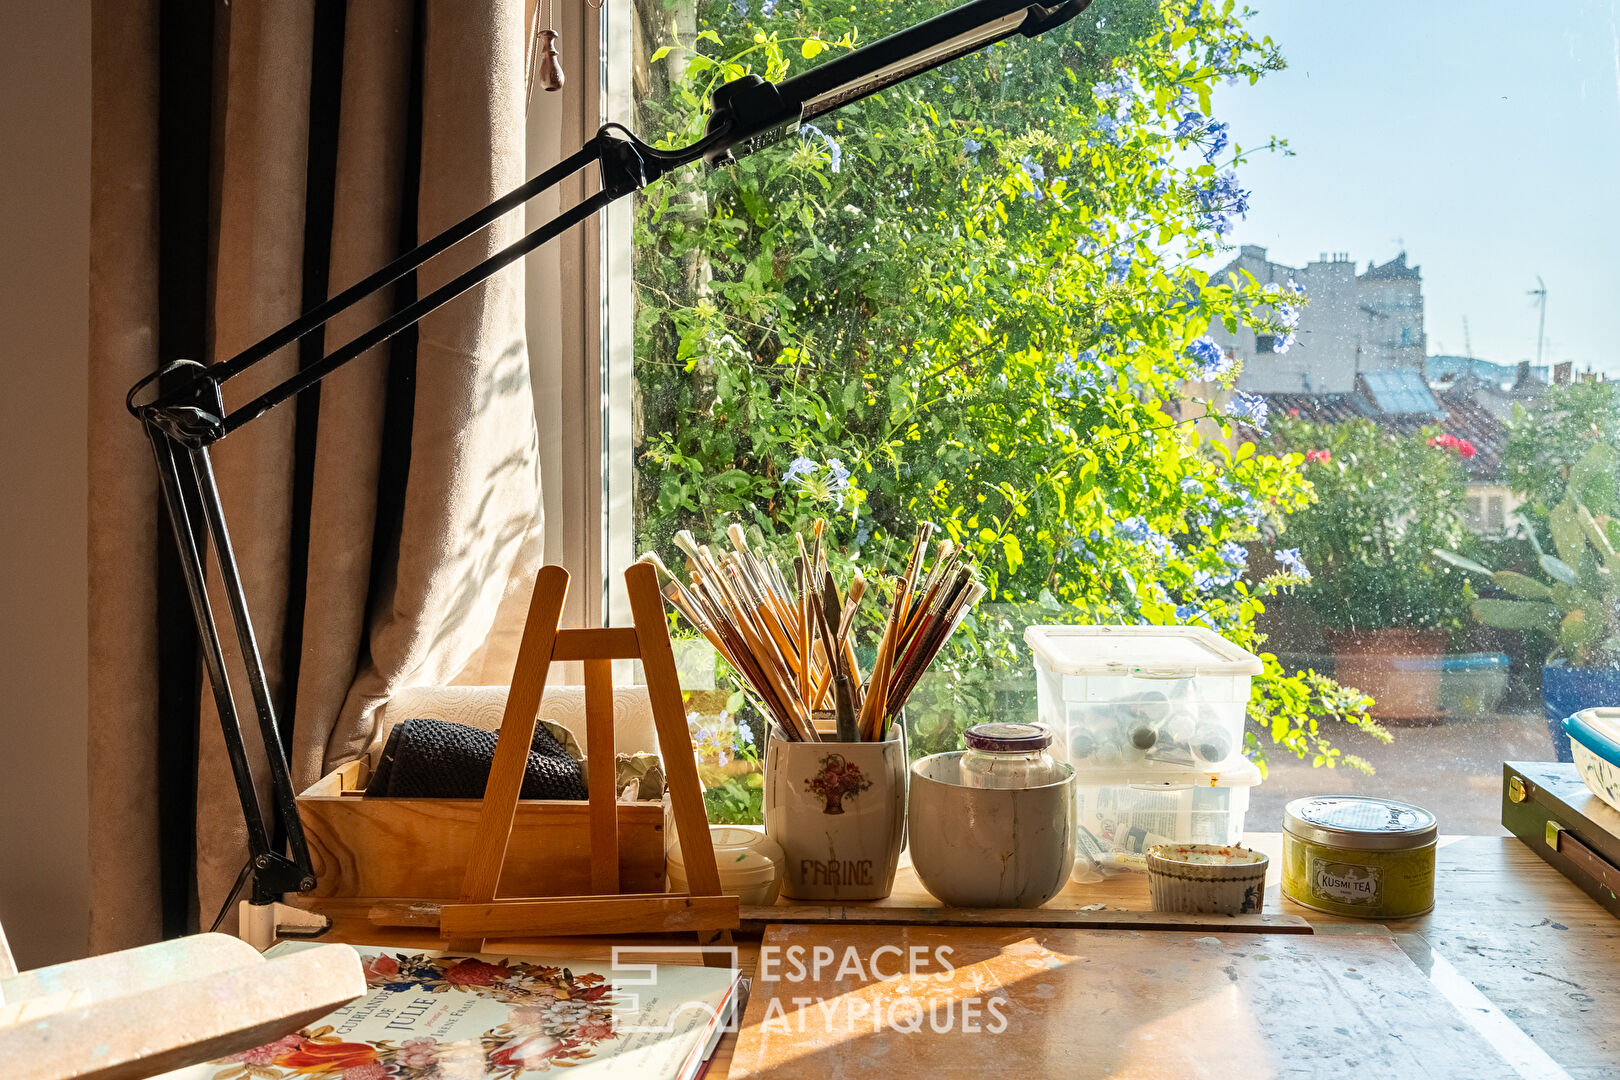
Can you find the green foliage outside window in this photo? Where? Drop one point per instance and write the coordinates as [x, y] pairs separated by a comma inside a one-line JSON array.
[[1384, 504], [1549, 438], [975, 299]]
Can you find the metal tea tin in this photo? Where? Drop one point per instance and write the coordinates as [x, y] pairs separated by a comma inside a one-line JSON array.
[[1360, 856]]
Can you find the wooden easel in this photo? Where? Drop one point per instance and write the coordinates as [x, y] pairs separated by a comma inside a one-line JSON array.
[[704, 910]]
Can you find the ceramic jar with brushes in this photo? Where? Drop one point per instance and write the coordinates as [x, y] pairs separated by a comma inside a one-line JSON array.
[[835, 760]]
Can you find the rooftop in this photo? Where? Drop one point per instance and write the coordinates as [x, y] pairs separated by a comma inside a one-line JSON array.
[[1456, 414]]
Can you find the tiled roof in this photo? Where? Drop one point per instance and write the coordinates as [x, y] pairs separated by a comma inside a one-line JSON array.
[[1395, 269], [1463, 418]]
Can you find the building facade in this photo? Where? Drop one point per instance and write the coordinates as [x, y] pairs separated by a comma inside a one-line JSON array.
[[1353, 322]]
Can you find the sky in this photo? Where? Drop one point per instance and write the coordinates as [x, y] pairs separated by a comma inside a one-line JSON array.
[[1482, 137]]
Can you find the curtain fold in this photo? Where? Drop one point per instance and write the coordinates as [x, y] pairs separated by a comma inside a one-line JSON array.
[[378, 521]]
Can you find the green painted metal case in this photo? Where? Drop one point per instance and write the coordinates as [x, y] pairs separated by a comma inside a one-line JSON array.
[[1545, 804]]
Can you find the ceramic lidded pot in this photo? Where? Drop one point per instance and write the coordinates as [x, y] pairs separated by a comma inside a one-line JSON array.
[[999, 847], [839, 811]]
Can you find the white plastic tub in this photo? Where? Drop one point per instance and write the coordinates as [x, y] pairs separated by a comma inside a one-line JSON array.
[[1172, 697], [1121, 813]]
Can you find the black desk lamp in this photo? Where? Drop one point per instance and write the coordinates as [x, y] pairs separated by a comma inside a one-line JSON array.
[[188, 413]]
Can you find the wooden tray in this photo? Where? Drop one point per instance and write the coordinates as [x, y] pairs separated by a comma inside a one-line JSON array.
[[419, 847], [1123, 899]]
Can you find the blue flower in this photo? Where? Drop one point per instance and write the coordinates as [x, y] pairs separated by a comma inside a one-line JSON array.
[[837, 480], [972, 146], [1220, 199], [1216, 132], [1188, 613], [740, 7], [1191, 484], [863, 534], [1033, 169], [1112, 128], [1121, 88], [1291, 562], [1135, 529], [1251, 510], [1212, 361], [1074, 379], [1249, 408], [1220, 55], [745, 734], [1234, 559], [1191, 124], [834, 151], [1119, 264], [768, 8], [799, 468], [1139, 532]]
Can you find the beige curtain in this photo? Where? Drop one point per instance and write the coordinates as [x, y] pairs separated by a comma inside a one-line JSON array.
[[401, 598]]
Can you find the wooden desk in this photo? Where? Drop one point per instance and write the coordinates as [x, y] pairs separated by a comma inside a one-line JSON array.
[[1530, 961]]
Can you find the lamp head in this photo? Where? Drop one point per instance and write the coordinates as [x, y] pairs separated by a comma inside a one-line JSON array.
[[749, 113]]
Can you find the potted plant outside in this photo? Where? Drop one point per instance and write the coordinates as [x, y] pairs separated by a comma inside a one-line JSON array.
[[1387, 607], [1578, 605]]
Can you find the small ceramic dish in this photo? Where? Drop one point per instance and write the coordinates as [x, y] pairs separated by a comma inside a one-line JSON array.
[[1206, 879]]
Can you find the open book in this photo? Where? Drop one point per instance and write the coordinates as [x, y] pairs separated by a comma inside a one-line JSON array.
[[443, 1016]]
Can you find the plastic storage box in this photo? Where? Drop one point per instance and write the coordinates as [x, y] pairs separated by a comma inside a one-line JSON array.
[[1121, 813], [1129, 697]]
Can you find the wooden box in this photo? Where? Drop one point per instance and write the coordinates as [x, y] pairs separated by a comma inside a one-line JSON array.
[[1546, 805], [419, 848]]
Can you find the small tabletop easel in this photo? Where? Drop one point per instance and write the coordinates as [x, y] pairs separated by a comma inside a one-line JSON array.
[[704, 910]]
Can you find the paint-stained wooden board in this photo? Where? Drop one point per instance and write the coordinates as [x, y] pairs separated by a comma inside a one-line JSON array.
[[1117, 904], [1125, 1005]]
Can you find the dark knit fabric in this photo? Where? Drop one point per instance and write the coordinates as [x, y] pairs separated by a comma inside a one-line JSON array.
[[435, 759]]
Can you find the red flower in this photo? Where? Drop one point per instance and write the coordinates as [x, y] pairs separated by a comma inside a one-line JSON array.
[[1466, 448], [594, 1030], [475, 973], [381, 969], [372, 1070], [529, 1051], [1324, 456], [266, 1054], [326, 1057]]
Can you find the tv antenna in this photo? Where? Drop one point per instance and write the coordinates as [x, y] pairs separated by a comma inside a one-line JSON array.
[[1468, 345], [1540, 295]]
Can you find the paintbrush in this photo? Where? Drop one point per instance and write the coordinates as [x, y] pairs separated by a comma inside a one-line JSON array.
[[843, 692], [941, 634]]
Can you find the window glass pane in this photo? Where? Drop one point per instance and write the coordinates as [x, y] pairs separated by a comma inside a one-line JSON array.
[[1076, 301]]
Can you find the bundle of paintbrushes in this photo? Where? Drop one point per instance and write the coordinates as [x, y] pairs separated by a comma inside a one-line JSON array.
[[788, 635]]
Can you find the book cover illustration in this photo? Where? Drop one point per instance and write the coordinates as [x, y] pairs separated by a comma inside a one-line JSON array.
[[431, 1016]]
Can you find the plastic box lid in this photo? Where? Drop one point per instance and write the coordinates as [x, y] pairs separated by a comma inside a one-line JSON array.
[[1240, 773], [1151, 650]]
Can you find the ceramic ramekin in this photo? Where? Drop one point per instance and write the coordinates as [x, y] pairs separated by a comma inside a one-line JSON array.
[[1206, 879]]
